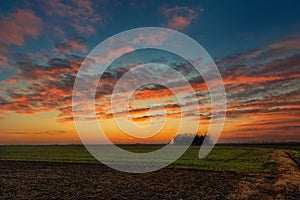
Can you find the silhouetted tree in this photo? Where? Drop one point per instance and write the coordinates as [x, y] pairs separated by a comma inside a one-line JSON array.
[[184, 139]]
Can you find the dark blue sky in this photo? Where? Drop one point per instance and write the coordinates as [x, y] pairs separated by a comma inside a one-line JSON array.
[[223, 28]]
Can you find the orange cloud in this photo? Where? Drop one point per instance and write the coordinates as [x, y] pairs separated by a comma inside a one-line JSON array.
[[260, 97], [248, 79]]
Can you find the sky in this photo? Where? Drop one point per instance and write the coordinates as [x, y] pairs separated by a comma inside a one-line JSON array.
[[255, 45]]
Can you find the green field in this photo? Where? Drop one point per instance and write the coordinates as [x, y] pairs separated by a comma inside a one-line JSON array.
[[239, 158]]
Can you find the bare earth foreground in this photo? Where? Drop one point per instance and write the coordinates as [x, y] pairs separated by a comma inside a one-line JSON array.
[[42, 180]]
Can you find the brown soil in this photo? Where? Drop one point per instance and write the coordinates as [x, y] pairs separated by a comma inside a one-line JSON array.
[[42, 180], [288, 175]]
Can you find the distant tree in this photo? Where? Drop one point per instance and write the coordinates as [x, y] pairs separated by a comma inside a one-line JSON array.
[[183, 139]]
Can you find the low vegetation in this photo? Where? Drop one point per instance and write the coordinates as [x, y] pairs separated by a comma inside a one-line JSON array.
[[221, 158]]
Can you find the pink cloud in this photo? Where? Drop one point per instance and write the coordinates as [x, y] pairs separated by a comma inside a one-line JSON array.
[[115, 53], [3, 57], [239, 58], [179, 17], [154, 38], [3, 60], [17, 25], [76, 46], [71, 45], [289, 44], [80, 14]]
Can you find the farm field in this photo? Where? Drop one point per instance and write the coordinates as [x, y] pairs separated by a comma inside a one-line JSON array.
[[228, 172], [222, 158]]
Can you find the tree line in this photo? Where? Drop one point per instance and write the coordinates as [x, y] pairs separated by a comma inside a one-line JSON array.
[[184, 139]]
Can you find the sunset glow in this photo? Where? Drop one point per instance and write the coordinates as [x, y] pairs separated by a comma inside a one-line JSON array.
[[43, 45]]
